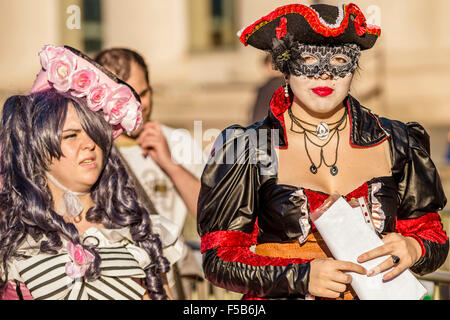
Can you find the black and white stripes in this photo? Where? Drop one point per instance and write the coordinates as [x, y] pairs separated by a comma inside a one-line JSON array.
[[45, 276]]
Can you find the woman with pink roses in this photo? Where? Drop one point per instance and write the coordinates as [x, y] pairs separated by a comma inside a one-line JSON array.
[[71, 223]]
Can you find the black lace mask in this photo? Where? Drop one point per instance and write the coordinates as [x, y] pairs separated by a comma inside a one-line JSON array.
[[312, 61]]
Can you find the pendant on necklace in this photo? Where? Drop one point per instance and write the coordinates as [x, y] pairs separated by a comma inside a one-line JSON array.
[[323, 131], [313, 169], [334, 170]]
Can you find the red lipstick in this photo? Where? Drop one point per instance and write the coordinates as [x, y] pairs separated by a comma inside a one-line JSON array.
[[323, 91]]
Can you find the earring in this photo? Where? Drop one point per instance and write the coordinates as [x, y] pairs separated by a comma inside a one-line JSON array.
[[286, 90]]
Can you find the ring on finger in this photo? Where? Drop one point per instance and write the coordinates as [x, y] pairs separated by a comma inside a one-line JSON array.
[[395, 259]]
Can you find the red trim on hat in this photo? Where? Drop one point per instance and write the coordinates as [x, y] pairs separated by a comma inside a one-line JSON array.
[[312, 18], [282, 28]]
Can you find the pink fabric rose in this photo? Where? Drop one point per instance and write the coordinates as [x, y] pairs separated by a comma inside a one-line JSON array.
[[360, 25], [81, 259], [82, 81], [97, 97], [139, 118], [133, 117], [59, 71], [48, 53], [117, 105]]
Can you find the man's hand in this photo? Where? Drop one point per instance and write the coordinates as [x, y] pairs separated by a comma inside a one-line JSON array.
[[154, 143]]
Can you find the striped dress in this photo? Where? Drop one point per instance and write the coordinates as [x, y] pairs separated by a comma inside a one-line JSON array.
[[41, 276]]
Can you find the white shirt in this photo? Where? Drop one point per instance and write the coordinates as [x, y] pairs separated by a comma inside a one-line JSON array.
[[158, 186]]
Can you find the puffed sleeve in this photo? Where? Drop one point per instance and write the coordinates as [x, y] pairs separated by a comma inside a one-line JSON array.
[[227, 224], [421, 198]]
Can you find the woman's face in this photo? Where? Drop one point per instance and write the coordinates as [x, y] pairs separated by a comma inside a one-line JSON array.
[[81, 164], [321, 77], [320, 96]]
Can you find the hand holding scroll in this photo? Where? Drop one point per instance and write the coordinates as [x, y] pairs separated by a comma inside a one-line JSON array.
[[405, 248], [327, 278]]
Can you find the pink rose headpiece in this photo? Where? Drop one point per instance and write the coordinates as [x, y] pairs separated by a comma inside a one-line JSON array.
[[68, 70]]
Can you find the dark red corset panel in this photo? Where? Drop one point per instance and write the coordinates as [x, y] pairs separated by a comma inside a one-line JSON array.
[[284, 210], [284, 214]]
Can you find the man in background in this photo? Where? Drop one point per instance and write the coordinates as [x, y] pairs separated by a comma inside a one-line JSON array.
[[171, 181]]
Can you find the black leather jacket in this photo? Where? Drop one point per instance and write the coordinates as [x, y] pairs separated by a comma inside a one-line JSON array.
[[241, 204]]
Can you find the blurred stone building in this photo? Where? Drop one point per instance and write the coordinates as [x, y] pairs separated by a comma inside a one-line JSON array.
[[200, 71]]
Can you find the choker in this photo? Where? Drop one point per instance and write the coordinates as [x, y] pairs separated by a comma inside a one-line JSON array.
[[70, 205], [323, 131]]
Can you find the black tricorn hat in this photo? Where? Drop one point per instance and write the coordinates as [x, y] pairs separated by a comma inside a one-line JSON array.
[[319, 24]]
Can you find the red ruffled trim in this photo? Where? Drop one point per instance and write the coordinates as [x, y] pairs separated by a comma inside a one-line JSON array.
[[316, 199], [244, 255], [234, 246], [362, 191], [278, 105], [313, 19], [226, 239], [229, 239], [427, 227]]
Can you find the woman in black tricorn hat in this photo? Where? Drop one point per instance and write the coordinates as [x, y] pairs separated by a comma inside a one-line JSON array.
[[254, 212]]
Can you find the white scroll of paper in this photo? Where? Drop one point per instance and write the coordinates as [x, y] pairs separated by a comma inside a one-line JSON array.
[[348, 236]]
